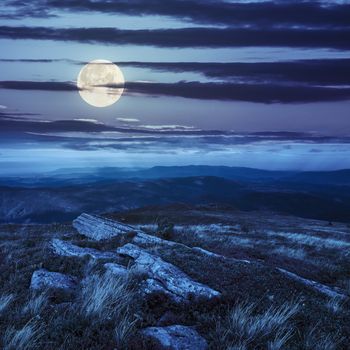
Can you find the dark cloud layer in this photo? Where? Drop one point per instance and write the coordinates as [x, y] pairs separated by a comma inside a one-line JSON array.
[[262, 93], [322, 71], [37, 85], [92, 136], [189, 37], [301, 13], [312, 71]]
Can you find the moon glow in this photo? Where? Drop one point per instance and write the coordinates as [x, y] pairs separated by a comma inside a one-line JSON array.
[[101, 83]]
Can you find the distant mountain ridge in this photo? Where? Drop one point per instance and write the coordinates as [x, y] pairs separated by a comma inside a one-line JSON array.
[[76, 176], [58, 202]]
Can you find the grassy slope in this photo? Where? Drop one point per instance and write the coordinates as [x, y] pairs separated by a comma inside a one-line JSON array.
[[255, 292]]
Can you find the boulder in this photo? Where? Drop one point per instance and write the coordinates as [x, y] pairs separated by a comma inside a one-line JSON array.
[[43, 279], [168, 276], [99, 228], [174, 337], [64, 248]]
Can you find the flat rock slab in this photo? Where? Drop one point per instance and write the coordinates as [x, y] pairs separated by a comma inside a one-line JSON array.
[[99, 228], [321, 288], [43, 279], [174, 337], [146, 239], [116, 269], [168, 276], [64, 248]]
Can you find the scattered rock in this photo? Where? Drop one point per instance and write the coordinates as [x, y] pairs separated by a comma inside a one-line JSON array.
[[65, 248], [116, 269], [321, 288], [99, 228], [168, 276], [174, 337], [43, 279]]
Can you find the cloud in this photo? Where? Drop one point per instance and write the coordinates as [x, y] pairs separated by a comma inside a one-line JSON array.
[[301, 13], [312, 71], [18, 9], [163, 128], [128, 120], [87, 120], [38, 85], [42, 126], [3, 107], [260, 93], [190, 37], [39, 60]]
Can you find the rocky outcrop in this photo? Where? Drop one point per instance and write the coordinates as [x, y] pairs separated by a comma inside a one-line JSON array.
[[64, 248], [43, 279], [173, 338], [99, 228], [321, 288], [167, 276]]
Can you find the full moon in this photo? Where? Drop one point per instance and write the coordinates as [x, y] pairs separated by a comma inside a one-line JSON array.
[[100, 83]]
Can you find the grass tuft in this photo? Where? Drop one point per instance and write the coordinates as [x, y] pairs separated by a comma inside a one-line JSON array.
[[5, 301], [243, 327], [26, 338]]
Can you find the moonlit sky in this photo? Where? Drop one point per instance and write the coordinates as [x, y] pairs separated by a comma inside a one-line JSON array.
[[262, 84]]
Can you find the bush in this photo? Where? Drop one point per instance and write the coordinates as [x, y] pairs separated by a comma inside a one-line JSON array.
[[165, 228]]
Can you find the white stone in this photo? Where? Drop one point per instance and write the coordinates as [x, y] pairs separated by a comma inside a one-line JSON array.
[[174, 337], [64, 248], [99, 228], [43, 279]]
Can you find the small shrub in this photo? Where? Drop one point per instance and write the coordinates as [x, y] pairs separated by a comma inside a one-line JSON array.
[[165, 228]]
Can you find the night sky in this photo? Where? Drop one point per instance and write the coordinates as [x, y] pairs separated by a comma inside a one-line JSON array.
[[263, 84]]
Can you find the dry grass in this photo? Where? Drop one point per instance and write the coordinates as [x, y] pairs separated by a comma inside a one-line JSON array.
[[335, 305], [103, 295], [5, 301], [36, 304], [310, 240], [244, 328], [26, 338], [293, 253], [107, 297], [324, 342]]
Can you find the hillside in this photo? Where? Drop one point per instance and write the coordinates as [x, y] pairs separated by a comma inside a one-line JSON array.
[[328, 200], [198, 277]]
